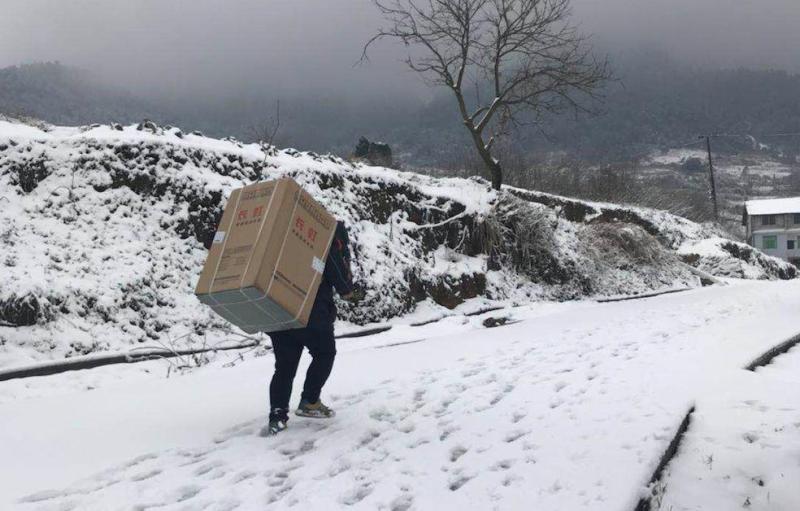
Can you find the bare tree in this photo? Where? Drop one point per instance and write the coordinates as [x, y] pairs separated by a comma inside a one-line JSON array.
[[522, 55], [265, 132]]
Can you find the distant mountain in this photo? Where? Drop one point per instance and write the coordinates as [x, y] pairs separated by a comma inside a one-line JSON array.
[[61, 94], [657, 103]]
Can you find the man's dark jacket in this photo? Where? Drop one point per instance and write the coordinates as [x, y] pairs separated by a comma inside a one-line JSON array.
[[337, 275]]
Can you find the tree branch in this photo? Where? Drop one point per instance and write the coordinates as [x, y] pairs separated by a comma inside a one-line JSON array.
[[524, 51]]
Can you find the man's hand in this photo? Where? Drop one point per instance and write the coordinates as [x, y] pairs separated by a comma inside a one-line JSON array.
[[355, 296]]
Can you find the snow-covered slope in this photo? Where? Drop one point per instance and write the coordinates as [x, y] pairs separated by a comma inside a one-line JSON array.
[[103, 232], [727, 258]]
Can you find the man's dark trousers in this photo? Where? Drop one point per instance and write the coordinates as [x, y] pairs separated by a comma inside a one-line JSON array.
[[288, 346], [317, 336]]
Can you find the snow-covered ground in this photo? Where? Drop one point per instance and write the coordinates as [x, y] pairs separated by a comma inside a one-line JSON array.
[[743, 450], [755, 164], [571, 407]]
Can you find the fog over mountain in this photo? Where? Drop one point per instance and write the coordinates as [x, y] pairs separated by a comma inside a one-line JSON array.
[[215, 47], [759, 34], [206, 47]]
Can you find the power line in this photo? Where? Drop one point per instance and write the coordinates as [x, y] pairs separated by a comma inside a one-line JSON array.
[[691, 143], [730, 146], [734, 135], [782, 135], [747, 135]]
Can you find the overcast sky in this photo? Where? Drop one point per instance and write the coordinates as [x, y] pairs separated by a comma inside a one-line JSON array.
[[208, 45]]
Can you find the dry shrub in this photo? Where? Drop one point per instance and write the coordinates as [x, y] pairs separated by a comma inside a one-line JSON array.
[[623, 245], [520, 235]]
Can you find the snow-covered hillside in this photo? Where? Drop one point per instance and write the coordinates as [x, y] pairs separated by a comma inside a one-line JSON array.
[[103, 232]]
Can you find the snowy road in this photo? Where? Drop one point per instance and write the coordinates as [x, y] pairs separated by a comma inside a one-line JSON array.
[[571, 408]]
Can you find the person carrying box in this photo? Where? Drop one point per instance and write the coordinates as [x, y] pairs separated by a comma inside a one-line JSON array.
[[317, 336], [273, 265]]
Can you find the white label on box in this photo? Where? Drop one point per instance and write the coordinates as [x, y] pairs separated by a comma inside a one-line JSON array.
[[318, 265], [219, 237]]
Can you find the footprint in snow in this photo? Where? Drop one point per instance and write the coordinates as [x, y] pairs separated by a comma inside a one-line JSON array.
[[185, 493], [456, 452], [145, 475], [406, 427], [226, 505], [139, 459], [367, 438], [750, 437], [279, 493], [458, 480], [502, 465], [357, 494], [402, 503], [509, 480], [382, 414], [513, 436], [43, 496], [518, 416], [242, 476], [419, 442], [471, 372], [447, 431], [339, 466], [205, 469]]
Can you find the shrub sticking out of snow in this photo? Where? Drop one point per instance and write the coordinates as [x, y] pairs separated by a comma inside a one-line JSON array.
[[105, 229]]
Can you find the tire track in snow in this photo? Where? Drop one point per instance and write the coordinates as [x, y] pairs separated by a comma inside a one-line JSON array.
[[645, 503], [643, 296], [768, 356]]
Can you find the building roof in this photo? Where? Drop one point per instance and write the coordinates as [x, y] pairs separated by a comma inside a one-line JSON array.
[[773, 206]]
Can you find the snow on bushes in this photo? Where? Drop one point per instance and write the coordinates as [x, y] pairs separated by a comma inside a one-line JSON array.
[[725, 258], [104, 230]]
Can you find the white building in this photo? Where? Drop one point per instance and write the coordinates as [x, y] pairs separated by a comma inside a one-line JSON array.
[[773, 226]]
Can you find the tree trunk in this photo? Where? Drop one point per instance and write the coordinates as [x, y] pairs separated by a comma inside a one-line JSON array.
[[497, 175], [484, 149], [494, 168]]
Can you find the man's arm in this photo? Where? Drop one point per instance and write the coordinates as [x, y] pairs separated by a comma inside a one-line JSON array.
[[338, 271]]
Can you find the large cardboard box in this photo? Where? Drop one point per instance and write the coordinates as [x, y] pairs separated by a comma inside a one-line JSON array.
[[266, 261]]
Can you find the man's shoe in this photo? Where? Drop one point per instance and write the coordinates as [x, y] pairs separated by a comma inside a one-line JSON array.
[[274, 427], [278, 417], [314, 410]]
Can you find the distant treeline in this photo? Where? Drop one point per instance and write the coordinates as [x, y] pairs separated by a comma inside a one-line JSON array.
[[65, 95], [655, 103]]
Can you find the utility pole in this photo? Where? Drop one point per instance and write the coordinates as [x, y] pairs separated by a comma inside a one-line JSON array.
[[712, 181]]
